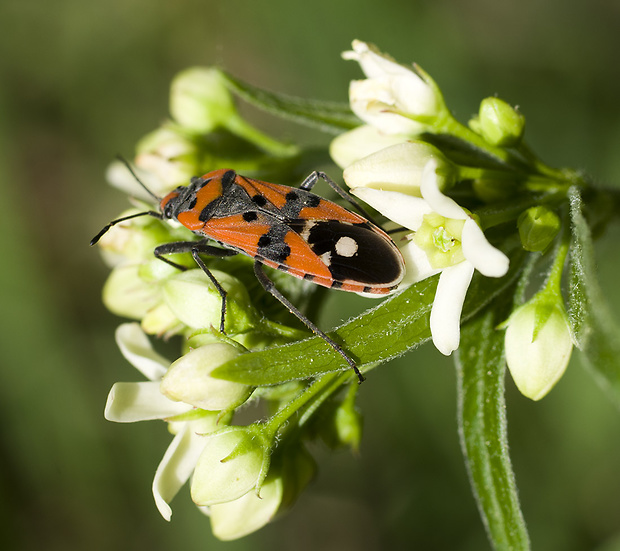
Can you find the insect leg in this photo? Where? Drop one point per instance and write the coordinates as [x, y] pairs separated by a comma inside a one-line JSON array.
[[313, 178], [195, 248], [269, 286]]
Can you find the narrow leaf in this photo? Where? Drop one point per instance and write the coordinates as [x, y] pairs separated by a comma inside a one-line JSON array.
[[380, 334], [596, 332], [482, 430], [327, 116], [377, 335]]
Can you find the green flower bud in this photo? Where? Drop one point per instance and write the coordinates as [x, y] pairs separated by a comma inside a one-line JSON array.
[[189, 379], [200, 100], [342, 426], [234, 462], [196, 302], [500, 123], [538, 345], [538, 227]]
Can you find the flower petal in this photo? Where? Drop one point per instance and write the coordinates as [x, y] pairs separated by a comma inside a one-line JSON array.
[[373, 63], [179, 461], [360, 142], [440, 203], [488, 260], [397, 167], [138, 351], [446, 312], [416, 261], [130, 402], [403, 209]]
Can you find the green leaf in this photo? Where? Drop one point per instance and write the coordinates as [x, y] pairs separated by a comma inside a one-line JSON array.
[[482, 429], [331, 117], [379, 334], [398, 324], [596, 332]]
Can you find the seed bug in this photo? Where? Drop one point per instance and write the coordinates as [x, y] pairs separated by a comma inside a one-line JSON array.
[[289, 229]]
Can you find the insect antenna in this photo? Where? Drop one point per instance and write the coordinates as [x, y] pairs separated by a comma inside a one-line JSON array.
[[153, 213], [97, 237], [133, 173]]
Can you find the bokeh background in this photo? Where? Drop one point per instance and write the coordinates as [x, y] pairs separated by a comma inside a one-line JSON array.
[[82, 81]]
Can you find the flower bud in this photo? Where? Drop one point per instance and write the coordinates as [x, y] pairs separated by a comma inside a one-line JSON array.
[[359, 143], [169, 156], [238, 518], [538, 346], [132, 240], [500, 123], [234, 462], [160, 320], [343, 427], [189, 379], [126, 294], [538, 227], [200, 100], [196, 302], [399, 168]]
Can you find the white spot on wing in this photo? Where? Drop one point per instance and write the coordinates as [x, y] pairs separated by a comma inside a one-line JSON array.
[[346, 246], [305, 233]]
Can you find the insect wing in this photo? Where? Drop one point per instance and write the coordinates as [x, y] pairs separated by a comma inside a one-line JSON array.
[[351, 256]]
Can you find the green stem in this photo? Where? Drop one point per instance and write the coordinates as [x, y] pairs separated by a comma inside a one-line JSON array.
[[554, 281], [538, 165], [532, 182], [500, 213], [239, 126], [449, 125], [310, 398]]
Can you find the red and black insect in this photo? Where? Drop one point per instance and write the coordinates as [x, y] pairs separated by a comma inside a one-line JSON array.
[[290, 229]]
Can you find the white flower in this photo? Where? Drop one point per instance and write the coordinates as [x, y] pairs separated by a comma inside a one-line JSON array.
[[447, 240], [394, 99], [130, 402], [538, 345]]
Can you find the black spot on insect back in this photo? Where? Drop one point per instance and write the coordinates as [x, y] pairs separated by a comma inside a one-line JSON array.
[[250, 216], [264, 241], [259, 200], [272, 245], [312, 201]]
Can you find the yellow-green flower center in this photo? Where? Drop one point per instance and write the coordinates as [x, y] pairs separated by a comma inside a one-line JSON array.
[[440, 239]]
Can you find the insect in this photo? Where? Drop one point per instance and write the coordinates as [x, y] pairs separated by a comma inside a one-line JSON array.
[[290, 229]]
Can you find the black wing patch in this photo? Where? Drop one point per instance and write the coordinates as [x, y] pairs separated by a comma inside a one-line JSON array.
[[353, 251]]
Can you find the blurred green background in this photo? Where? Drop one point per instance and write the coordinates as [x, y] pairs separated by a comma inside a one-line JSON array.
[[81, 81]]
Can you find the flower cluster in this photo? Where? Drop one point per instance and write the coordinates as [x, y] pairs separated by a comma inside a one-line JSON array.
[[397, 163], [464, 204], [242, 474]]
